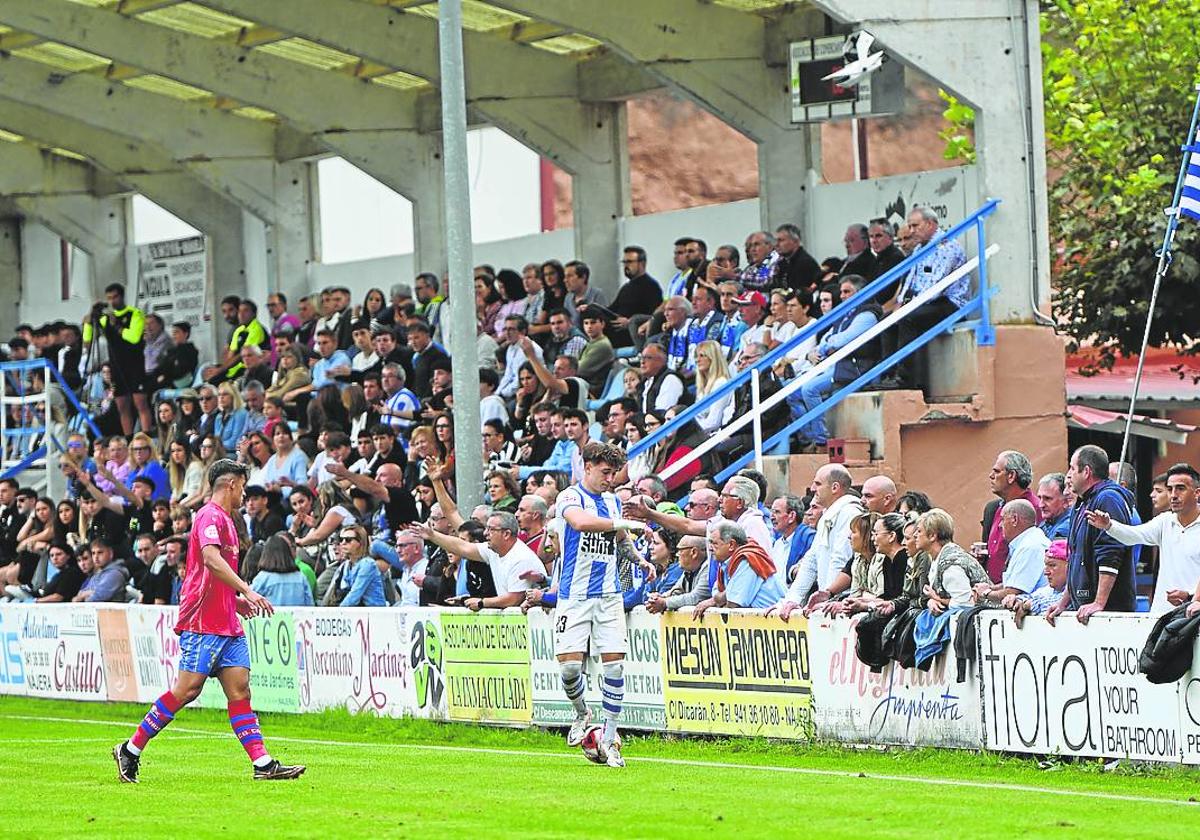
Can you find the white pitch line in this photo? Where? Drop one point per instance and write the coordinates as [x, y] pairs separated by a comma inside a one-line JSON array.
[[676, 762]]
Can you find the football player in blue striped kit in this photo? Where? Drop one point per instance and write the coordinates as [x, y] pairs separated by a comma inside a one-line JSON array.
[[590, 610]]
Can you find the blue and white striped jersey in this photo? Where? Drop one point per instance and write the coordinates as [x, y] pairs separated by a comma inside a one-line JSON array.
[[589, 559]]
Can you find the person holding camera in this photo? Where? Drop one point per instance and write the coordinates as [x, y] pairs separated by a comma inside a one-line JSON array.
[[123, 326]]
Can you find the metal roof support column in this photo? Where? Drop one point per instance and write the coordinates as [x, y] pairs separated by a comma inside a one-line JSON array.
[[468, 469]]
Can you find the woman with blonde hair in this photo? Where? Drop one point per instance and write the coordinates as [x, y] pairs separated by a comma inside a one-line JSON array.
[[291, 374], [147, 464], [712, 371], [231, 418]]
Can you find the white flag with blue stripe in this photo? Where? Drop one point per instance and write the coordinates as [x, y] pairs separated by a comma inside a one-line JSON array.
[[1189, 198]]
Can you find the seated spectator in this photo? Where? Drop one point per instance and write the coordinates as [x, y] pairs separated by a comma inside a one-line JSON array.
[[67, 580], [561, 456], [334, 449], [230, 421], [333, 366], [146, 463], [108, 578], [565, 339], [813, 392], [1040, 600], [752, 308], [792, 536], [1027, 547], [677, 313], [580, 292], [662, 551], [491, 406], [531, 514], [288, 467], [291, 379], [498, 450], [742, 404], [933, 267], [362, 577], [639, 295], [878, 567], [692, 587], [746, 577], [953, 573], [279, 579], [502, 491], [425, 355], [596, 360], [563, 384], [178, 362], [661, 388]]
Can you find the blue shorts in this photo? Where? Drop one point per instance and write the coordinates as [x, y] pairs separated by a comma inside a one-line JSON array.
[[207, 653]]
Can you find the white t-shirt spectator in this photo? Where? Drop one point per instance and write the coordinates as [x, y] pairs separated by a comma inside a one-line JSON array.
[[507, 569]]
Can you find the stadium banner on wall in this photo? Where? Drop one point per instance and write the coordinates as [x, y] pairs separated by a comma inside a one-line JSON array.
[[1074, 689], [905, 706], [737, 673], [61, 651], [118, 654], [487, 666], [155, 648], [643, 707], [12, 663], [173, 283], [384, 661]]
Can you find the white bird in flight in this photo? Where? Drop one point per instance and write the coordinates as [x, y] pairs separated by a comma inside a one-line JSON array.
[[864, 64]]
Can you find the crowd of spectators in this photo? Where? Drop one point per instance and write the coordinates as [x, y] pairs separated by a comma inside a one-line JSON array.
[[344, 416]]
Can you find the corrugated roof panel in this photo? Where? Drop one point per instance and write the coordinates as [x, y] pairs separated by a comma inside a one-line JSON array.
[[565, 44], [306, 52], [67, 153], [250, 112], [750, 5], [195, 20], [62, 57], [476, 15], [400, 81], [167, 87]]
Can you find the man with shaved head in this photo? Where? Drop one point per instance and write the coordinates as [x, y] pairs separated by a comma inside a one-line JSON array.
[[879, 494], [1025, 570], [399, 507]]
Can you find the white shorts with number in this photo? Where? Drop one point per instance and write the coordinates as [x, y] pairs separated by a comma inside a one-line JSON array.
[[600, 620]]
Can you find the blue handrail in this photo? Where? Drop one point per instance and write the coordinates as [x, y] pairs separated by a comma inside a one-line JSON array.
[[68, 391], [826, 321], [943, 326]]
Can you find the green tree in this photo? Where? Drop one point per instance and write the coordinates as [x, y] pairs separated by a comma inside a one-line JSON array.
[[1118, 78]]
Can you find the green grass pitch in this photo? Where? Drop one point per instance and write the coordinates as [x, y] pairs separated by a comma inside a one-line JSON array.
[[372, 777]]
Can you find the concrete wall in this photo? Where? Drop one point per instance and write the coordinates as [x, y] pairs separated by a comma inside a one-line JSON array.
[[949, 191], [946, 449]]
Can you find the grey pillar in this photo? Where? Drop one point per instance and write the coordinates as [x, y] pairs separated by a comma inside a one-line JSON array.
[[10, 273], [789, 163], [600, 193]]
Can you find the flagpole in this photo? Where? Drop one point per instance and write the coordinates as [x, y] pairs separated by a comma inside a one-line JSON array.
[[1164, 262]]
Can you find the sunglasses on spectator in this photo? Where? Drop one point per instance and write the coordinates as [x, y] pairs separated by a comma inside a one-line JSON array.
[[140, 448]]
